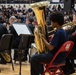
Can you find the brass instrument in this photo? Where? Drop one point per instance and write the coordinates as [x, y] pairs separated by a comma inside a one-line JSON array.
[[6, 56], [64, 26], [68, 24], [38, 9]]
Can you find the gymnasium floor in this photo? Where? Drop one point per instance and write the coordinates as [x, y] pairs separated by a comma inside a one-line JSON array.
[[7, 69]]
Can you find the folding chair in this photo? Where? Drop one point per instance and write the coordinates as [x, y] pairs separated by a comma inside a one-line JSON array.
[[53, 68], [6, 44]]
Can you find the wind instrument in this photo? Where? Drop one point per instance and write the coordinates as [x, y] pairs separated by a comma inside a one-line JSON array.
[[38, 9], [6, 57], [68, 24], [64, 26]]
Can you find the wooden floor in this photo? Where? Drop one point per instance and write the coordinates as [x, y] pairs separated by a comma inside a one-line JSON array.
[[7, 69]]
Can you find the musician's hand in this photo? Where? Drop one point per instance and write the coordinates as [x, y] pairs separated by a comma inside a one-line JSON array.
[[41, 35], [36, 31], [74, 34]]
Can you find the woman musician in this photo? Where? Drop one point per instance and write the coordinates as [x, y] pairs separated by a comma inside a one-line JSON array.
[[57, 20]]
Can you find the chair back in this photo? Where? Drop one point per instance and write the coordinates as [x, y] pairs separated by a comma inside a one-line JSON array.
[[66, 47], [55, 68], [6, 42]]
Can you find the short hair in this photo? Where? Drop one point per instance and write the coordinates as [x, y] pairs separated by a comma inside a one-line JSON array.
[[13, 18], [30, 19], [58, 17]]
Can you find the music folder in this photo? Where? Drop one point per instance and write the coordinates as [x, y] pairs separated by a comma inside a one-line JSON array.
[[22, 29]]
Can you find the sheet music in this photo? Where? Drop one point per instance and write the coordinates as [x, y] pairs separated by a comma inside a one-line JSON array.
[[21, 29]]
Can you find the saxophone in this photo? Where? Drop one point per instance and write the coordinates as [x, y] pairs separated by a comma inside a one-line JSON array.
[[6, 57], [38, 9]]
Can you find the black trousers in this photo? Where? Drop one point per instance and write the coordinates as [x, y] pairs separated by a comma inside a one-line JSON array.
[[69, 65], [36, 66]]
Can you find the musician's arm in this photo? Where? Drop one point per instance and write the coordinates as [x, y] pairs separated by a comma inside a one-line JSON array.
[[48, 45]]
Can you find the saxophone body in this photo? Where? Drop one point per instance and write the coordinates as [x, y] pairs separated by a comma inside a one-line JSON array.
[[38, 9], [6, 57]]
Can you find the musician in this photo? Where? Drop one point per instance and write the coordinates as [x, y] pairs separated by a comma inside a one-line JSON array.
[[16, 41], [12, 20], [29, 21], [3, 30], [57, 20], [69, 67]]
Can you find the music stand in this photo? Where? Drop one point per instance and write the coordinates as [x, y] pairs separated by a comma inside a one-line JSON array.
[[25, 33]]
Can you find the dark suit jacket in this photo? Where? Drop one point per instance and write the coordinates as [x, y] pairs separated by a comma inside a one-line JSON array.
[[3, 30], [31, 27], [73, 38], [16, 37]]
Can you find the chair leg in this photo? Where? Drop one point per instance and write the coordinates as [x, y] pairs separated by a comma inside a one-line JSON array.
[[12, 62], [20, 62], [0, 70], [62, 73], [48, 71]]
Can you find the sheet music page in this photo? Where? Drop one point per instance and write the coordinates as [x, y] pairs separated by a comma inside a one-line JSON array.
[[22, 29]]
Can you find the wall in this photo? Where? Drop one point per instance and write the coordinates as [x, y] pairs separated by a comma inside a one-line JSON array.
[[28, 5]]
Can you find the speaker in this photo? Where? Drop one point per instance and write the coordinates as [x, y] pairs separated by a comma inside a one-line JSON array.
[[68, 5]]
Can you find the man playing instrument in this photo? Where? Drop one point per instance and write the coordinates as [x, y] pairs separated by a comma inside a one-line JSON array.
[[3, 30], [69, 68], [57, 20]]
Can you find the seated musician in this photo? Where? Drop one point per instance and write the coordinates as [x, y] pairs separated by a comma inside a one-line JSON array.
[[69, 67], [16, 41], [12, 20], [3, 30], [57, 20]]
